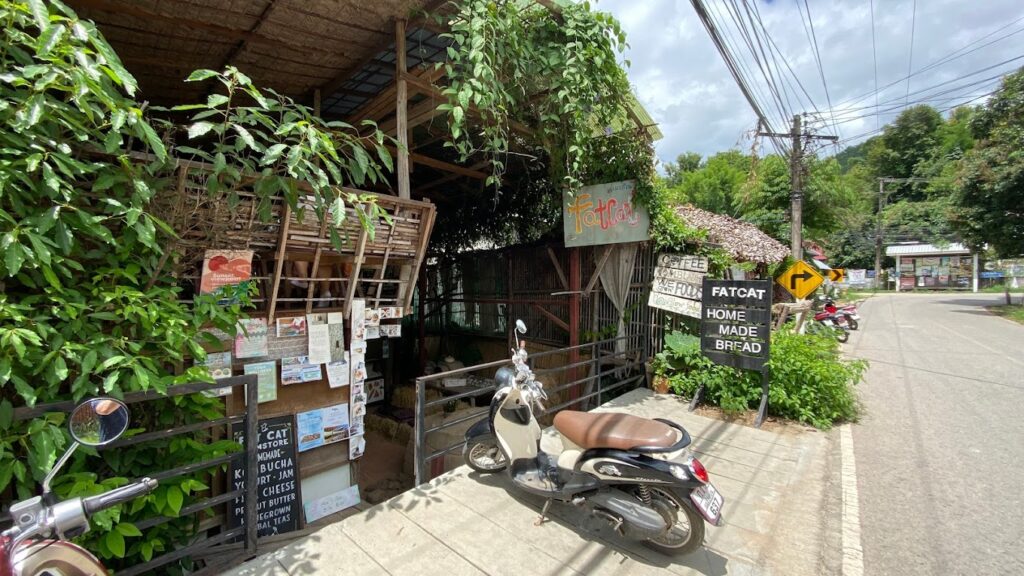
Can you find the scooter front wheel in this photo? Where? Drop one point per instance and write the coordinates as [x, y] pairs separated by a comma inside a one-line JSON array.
[[483, 454]]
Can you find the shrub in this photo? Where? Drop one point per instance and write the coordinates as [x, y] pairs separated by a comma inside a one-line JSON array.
[[810, 383]]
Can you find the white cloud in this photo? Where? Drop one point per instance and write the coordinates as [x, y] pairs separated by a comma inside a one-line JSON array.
[[682, 81]]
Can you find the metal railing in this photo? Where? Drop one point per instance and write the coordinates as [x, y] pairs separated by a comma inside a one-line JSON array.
[[247, 532], [627, 367]]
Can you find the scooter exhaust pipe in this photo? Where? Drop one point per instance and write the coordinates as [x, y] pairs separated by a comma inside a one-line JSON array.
[[630, 517]]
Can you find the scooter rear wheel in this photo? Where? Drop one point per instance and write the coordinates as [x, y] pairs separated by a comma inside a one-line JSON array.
[[483, 454], [687, 532]]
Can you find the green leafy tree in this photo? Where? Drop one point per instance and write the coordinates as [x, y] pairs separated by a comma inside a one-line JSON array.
[[87, 306], [990, 199], [685, 162], [903, 145]]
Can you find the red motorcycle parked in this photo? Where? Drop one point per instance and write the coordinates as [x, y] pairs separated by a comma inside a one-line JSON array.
[[832, 323], [846, 315]]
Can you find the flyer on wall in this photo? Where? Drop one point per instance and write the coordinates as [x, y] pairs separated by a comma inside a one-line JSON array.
[[266, 374], [219, 365], [357, 426], [310, 429], [374, 390], [338, 373], [224, 268], [358, 362], [335, 423], [319, 344], [373, 317], [356, 447], [372, 332], [299, 369], [390, 330], [251, 341], [358, 319], [291, 327]]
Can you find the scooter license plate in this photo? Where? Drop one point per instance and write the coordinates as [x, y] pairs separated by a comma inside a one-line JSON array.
[[708, 502]]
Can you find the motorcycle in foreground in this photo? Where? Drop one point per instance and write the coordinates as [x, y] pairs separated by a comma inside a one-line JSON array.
[[37, 544], [632, 472]]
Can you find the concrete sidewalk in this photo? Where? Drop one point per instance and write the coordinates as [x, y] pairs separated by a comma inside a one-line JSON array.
[[466, 523]]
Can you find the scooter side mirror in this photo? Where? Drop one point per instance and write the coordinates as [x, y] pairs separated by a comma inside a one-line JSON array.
[[98, 421], [95, 422], [520, 326]]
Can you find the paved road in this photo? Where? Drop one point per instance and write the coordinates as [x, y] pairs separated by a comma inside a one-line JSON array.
[[940, 452]]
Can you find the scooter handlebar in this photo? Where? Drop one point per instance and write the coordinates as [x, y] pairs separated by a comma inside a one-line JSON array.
[[94, 504]]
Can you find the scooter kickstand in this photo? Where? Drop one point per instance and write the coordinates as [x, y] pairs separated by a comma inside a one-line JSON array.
[[543, 513]]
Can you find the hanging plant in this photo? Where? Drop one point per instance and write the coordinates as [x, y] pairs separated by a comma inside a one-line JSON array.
[[511, 67]]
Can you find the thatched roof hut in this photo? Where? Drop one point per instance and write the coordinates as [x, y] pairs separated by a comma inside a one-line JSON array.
[[742, 240]]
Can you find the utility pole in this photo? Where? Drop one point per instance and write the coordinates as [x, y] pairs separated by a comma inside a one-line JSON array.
[[882, 197], [796, 163]]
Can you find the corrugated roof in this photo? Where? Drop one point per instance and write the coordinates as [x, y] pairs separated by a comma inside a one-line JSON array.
[[908, 249]]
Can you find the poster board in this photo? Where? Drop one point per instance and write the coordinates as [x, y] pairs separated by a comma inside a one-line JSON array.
[[278, 506]]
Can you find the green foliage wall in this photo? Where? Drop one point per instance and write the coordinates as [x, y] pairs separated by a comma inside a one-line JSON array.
[[87, 306]]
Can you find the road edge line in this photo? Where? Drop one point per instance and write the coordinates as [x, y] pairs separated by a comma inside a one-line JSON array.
[[853, 553]]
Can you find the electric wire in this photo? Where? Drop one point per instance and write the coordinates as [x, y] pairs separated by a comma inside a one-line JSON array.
[[910, 58], [943, 60], [821, 70], [874, 58]]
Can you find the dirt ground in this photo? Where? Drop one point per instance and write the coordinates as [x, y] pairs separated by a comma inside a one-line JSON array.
[[379, 471]]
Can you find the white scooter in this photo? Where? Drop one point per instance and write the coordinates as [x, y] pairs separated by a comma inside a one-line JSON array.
[[633, 472], [37, 544]]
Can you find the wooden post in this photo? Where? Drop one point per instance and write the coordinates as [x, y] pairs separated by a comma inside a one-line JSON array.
[[401, 110], [422, 324], [282, 244], [574, 316]]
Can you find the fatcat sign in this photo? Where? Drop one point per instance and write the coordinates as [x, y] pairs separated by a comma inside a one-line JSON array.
[[604, 214]]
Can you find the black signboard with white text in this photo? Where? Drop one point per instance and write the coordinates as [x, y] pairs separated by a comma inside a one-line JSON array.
[[735, 324], [277, 489]]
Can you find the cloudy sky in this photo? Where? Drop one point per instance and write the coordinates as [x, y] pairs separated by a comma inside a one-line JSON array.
[[684, 84]]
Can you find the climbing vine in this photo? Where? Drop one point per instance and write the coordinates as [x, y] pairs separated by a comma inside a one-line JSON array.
[[518, 71]]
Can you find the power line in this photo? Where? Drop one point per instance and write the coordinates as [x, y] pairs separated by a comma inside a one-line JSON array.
[[874, 58], [821, 70], [771, 41], [971, 84], [698, 6], [945, 59], [910, 58]]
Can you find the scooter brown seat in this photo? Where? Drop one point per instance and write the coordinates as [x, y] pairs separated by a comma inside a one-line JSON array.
[[611, 430]]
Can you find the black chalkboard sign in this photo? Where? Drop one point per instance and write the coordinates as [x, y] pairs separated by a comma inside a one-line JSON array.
[[278, 505], [735, 324]]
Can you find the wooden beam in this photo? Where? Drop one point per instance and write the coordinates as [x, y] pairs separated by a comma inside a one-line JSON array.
[[357, 266], [423, 189], [600, 266], [255, 28], [558, 268], [402, 110], [410, 273], [441, 165], [423, 112], [555, 319], [282, 243]]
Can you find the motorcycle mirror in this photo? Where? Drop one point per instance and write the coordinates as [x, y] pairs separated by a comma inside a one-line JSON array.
[[98, 421], [520, 326]]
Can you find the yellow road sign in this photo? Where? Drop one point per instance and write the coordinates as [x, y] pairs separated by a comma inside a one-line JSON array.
[[837, 274], [800, 280]]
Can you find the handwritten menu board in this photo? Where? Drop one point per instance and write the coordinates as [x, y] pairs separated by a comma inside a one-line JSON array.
[[278, 505]]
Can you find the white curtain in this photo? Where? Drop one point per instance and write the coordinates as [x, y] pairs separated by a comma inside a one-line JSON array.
[[615, 279]]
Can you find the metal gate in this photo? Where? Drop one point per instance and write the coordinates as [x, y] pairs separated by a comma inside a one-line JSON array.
[[215, 536]]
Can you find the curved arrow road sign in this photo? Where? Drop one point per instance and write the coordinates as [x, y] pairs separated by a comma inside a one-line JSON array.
[[800, 280]]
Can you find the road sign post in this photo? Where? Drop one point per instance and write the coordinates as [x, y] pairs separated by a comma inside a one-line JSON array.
[[735, 328]]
